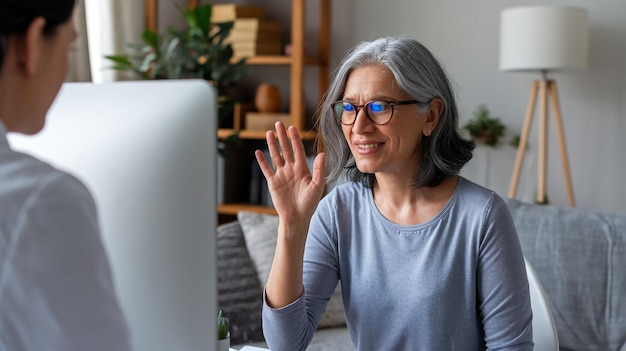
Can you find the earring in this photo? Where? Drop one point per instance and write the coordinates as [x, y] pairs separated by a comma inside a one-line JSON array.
[[427, 132]]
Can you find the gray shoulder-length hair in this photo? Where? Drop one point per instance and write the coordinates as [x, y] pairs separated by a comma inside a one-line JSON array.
[[421, 76]]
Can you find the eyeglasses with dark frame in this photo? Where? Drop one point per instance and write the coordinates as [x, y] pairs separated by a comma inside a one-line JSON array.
[[377, 111]]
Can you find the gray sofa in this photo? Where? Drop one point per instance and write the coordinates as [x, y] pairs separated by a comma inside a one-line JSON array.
[[579, 256]]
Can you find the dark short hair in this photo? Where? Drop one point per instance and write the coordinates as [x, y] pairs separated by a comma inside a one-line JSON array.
[[422, 77], [16, 16]]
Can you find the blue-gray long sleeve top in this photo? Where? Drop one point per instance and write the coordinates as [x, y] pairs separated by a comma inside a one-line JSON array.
[[456, 282]]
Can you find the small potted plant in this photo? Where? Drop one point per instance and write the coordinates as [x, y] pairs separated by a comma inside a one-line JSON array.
[[485, 129], [223, 333]]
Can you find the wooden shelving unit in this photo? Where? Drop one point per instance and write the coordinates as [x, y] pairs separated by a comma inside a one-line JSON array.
[[296, 62], [280, 60], [259, 134], [233, 209]]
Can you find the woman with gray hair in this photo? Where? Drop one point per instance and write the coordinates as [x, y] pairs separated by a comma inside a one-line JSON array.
[[427, 260]]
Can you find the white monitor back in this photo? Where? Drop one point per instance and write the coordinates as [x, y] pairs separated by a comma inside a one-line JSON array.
[[147, 151]]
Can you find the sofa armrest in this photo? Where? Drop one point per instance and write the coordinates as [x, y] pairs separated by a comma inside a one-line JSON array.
[[579, 256]]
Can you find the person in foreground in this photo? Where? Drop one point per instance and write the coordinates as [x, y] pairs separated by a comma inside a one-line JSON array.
[[56, 288], [427, 259]]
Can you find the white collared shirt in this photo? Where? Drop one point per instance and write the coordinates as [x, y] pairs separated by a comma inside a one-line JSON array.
[[56, 287]]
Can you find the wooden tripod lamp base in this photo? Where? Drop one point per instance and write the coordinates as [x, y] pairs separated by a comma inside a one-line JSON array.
[[546, 89]]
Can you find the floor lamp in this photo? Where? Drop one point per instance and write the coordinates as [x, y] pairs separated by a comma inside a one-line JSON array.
[[543, 39]]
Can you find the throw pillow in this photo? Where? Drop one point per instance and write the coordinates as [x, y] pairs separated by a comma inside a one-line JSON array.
[[239, 293], [260, 231]]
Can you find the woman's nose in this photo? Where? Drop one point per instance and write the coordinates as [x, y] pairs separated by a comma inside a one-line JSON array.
[[362, 123]]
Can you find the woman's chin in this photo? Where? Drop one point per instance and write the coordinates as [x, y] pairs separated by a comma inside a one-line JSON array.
[[366, 168]]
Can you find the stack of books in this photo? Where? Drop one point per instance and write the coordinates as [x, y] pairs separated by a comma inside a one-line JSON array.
[[252, 33]]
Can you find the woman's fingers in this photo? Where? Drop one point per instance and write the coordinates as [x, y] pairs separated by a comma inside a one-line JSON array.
[[295, 190], [299, 155], [319, 169], [266, 169], [272, 146], [285, 150], [285, 145]]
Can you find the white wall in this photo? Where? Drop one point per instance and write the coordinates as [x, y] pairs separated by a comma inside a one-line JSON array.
[[464, 36]]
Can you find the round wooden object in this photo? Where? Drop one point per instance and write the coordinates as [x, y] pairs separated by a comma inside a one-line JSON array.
[[267, 98]]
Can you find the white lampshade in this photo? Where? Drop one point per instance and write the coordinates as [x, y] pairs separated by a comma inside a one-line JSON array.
[[543, 38]]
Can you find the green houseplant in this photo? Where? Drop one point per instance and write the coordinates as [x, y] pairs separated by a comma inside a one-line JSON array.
[[223, 334], [197, 51], [485, 129], [157, 58]]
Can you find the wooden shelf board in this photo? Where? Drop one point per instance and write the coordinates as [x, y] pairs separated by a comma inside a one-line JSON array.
[[279, 60], [233, 209], [259, 134]]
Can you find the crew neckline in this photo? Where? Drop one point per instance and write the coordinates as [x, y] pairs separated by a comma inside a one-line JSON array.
[[416, 227]]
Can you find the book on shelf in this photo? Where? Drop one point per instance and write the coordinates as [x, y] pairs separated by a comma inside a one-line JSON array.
[[248, 49], [265, 121], [253, 37], [232, 12], [256, 183], [256, 25], [259, 192]]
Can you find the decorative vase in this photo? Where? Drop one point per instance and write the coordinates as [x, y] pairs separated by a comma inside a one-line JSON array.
[[224, 344], [267, 98]]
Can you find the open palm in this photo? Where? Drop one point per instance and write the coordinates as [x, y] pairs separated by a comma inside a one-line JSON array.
[[295, 191]]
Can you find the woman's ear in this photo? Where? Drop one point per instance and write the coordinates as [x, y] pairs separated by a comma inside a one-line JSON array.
[[30, 46], [432, 116]]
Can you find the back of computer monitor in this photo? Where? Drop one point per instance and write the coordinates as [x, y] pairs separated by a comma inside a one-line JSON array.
[[147, 151]]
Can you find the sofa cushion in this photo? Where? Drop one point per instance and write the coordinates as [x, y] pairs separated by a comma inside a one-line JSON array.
[[260, 231], [239, 293], [580, 258]]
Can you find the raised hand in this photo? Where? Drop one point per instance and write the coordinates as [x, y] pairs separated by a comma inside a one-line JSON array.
[[295, 192]]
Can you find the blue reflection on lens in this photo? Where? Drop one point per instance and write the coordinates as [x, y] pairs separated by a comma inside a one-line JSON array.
[[377, 107]]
